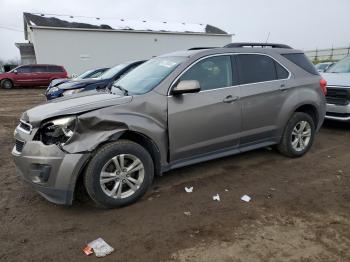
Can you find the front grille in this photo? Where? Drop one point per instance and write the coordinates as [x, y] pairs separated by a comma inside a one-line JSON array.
[[19, 145], [338, 114], [338, 96]]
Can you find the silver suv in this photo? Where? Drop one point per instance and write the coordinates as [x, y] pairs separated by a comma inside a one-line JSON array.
[[338, 91], [174, 110]]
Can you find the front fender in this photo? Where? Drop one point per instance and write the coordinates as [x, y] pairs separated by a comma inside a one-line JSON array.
[[146, 115]]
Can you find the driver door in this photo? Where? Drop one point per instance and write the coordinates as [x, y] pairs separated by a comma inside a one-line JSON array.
[[208, 121]]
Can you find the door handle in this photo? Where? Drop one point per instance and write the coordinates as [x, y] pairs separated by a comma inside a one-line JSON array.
[[283, 87], [230, 99]]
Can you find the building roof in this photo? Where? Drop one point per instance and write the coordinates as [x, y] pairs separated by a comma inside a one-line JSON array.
[[95, 23]]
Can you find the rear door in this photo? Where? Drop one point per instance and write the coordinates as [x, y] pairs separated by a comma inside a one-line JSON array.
[[210, 120], [263, 92], [40, 75]]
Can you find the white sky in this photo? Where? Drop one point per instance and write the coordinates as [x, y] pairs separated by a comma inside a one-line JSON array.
[[303, 24]]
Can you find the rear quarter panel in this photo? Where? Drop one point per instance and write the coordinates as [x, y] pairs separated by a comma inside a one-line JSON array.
[[302, 91]]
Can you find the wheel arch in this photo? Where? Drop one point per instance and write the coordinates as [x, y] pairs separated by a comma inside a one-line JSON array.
[[134, 136], [148, 144], [310, 110], [4, 79]]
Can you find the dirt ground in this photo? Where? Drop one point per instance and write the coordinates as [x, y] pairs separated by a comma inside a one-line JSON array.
[[300, 208]]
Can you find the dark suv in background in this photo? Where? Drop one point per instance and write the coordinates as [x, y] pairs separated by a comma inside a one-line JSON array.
[[172, 111], [32, 75]]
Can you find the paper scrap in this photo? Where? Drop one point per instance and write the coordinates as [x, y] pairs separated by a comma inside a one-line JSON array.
[[99, 247], [216, 198], [189, 189], [246, 198]]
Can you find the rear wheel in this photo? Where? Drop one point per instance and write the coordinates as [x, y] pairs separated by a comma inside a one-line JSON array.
[[119, 174], [6, 84], [298, 135]]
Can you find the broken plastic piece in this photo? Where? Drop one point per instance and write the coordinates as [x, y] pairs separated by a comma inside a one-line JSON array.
[[189, 189], [99, 247], [246, 198], [187, 213], [216, 198]]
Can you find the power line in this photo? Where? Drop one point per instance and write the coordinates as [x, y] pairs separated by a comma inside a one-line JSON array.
[[11, 28]]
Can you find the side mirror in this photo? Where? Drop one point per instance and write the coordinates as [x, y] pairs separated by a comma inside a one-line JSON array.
[[15, 72], [186, 86]]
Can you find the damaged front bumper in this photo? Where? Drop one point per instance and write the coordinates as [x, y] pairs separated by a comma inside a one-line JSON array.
[[49, 170]]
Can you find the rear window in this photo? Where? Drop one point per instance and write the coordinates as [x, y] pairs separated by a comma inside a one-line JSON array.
[[39, 69], [302, 61], [255, 68], [282, 73], [55, 69]]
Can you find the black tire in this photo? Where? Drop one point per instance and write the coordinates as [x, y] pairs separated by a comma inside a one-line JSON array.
[[285, 147], [6, 84], [101, 158]]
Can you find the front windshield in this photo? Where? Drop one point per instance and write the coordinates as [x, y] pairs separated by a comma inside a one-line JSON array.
[[148, 75], [85, 74], [113, 71], [343, 66]]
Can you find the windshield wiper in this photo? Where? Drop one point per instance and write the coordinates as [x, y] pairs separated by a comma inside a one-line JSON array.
[[125, 92]]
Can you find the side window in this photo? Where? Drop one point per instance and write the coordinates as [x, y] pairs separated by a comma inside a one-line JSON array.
[[39, 69], [24, 69], [54, 69], [256, 68], [211, 73], [96, 74], [282, 73]]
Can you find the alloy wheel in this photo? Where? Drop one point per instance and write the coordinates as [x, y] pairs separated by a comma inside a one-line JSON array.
[[301, 136], [122, 176]]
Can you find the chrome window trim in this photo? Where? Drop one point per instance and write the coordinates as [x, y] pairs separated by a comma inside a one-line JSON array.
[[229, 54]]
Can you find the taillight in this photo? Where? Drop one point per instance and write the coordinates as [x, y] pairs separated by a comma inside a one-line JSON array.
[[323, 86]]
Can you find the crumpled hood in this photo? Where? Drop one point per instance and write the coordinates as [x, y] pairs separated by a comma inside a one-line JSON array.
[[81, 83], [337, 79], [59, 81], [73, 104]]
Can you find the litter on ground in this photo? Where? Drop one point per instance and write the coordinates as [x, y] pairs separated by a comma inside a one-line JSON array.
[[216, 198], [189, 189], [99, 247], [187, 213], [246, 198]]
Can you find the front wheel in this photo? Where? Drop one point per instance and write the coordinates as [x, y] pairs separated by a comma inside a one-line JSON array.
[[298, 135], [6, 84], [119, 174]]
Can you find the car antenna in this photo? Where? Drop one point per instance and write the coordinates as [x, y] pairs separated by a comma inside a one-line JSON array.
[[268, 36]]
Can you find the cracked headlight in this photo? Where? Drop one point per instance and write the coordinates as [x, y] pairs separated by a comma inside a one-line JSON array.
[[52, 89], [73, 91], [58, 131]]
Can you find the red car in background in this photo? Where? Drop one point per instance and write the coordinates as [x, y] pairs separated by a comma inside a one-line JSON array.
[[32, 75]]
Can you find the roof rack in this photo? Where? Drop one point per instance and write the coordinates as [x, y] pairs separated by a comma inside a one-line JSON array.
[[199, 48], [247, 44]]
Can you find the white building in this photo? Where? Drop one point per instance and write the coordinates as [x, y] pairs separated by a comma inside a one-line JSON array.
[[81, 43]]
